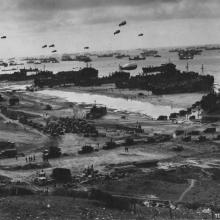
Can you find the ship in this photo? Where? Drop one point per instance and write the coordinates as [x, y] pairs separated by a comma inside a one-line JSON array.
[[105, 55], [83, 58], [137, 58], [97, 111], [212, 48], [120, 56], [128, 66], [149, 53], [174, 50], [189, 53], [49, 60], [30, 61], [185, 55], [66, 57], [3, 64], [167, 67]]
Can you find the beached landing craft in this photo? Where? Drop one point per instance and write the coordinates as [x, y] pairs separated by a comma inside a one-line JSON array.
[[54, 51], [44, 46], [52, 45], [128, 66], [140, 35], [3, 37]]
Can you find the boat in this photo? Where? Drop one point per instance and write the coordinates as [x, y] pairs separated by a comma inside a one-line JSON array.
[[66, 57], [49, 60], [189, 53], [174, 50], [185, 55], [128, 66], [149, 53], [30, 61], [212, 48], [157, 55], [167, 67], [7, 70], [105, 55], [137, 58], [3, 64], [83, 58], [96, 112]]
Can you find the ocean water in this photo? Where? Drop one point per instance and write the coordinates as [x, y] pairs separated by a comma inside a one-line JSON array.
[[210, 60]]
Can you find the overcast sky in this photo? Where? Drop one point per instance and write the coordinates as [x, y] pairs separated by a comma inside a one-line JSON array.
[[73, 24]]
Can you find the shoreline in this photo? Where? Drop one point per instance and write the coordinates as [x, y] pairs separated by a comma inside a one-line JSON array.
[[177, 100], [138, 101], [182, 100]]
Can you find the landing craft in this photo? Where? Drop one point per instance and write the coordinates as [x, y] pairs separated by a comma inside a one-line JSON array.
[[122, 23], [3, 37], [52, 45], [54, 51], [140, 35], [44, 46], [117, 32], [86, 48]]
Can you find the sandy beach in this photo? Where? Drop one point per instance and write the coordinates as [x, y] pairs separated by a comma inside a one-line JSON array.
[[174, 100]]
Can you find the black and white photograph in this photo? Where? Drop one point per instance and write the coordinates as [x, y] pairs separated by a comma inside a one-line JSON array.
[[109, 109]]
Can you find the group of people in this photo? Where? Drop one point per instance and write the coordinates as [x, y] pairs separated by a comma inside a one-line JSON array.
[[30, 158]]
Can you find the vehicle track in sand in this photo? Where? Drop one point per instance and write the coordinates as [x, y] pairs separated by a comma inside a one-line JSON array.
[[192, 184]]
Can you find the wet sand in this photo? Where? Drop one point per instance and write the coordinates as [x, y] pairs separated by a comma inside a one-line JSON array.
[[183, 100]]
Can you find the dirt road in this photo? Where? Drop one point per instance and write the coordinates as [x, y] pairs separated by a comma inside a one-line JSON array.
[[192, 184]]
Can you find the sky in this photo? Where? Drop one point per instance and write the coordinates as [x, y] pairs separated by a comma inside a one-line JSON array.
[[73, 24]]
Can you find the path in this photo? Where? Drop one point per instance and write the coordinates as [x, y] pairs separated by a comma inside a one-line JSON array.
[[192, 184]]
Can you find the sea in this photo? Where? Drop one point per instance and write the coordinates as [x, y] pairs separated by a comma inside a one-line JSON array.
[[210, 59]]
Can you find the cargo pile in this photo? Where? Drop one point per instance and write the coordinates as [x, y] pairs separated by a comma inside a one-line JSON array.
[[69, 125]]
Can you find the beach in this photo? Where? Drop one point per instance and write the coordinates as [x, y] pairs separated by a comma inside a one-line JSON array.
[[184, 100]]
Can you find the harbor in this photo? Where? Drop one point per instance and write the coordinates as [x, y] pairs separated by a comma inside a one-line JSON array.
[[109, 110]]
